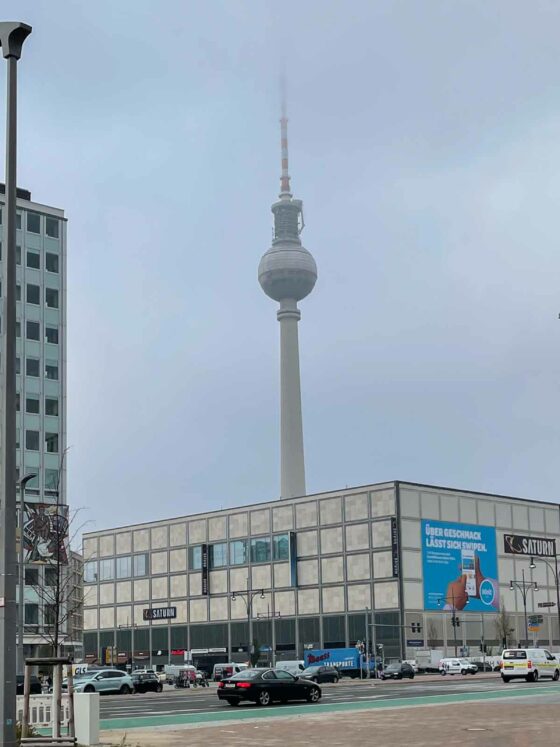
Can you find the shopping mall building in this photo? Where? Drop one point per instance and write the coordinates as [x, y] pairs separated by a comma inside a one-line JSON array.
[[307, 573]]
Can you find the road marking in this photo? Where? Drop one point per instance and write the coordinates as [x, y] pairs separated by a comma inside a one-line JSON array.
[[290, 711]]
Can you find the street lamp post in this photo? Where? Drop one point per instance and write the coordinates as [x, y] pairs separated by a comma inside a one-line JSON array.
[[524, 587], [12, 36], [21, 606], [248, 598], [454, 618], [555, 573]]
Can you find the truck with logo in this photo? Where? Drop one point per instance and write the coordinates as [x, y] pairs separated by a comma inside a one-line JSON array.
[[348, 661]]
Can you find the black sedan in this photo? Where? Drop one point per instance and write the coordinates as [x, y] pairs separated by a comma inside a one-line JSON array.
[[397, 672], [34, 685], [321, 674], [146, 683], [264, 686]]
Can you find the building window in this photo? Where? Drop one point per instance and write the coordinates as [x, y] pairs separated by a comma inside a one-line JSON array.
[[51, 577], [51, 479], [32, 405], [51, 227], [18, 292], [51, 406], [124, 567], [281, 547], [51, 371], [18, 220], [33, 222], [18, 365], [51, 298], [33, 330], [32, 367], [195, 558], [218, 555], [90, 571], [51, 443], [106, 570], [32, 440], [31, 577], [49, 613], [18, 400], [32, 614], [51, 262], [51, 335], [34, 260], [18, 329], [17, 438], [260, 550], [33, 294], [238, 552], [141, 565], [18, 254]]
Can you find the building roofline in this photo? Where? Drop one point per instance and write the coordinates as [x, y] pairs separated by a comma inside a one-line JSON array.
[[349, 489], [476, 492]]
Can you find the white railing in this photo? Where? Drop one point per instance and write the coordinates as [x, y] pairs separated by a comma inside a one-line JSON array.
[[40, 708]]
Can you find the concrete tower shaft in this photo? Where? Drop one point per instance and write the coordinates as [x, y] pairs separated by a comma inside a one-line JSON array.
[[287, 274]]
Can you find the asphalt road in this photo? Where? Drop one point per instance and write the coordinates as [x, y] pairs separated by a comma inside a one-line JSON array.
[[202, 700]]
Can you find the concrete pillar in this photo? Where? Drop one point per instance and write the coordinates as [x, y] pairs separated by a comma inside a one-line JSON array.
[[292, 468], [86, 714]]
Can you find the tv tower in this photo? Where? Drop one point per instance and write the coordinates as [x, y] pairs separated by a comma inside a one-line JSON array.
[[287, 274]]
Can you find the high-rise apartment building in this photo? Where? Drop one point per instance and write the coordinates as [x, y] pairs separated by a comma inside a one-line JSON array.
[[41, 402]]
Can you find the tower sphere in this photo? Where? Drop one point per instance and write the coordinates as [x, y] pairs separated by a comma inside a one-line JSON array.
[[287, 270]]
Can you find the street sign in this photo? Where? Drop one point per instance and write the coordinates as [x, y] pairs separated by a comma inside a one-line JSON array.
[[415, 642], [546, 604]]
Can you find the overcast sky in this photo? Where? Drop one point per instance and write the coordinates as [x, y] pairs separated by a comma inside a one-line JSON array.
[[425, 144]]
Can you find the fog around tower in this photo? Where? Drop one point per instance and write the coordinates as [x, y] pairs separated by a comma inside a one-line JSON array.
[[424, 145]]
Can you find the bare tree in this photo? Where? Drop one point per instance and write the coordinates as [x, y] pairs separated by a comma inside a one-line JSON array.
[[50, 531], [503, 625], [431, 633]]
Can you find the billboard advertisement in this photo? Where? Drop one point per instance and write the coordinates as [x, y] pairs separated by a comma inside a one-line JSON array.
[[460, 567]]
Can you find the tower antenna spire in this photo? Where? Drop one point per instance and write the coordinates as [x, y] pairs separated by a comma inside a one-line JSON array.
[[285, 192]]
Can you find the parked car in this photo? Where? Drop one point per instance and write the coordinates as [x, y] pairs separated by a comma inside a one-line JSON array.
[[320, 674], [485, 666], [457, 666], [104, 681], [35, 687], [264, 686], [145, 683], [397, 671]]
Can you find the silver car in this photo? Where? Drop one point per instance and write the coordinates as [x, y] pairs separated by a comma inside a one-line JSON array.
[[103, 681]]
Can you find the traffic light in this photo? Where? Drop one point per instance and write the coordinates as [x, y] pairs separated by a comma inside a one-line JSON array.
[[455, 622]]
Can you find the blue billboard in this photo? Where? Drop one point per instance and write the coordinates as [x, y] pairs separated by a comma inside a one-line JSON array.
[[460, 567], [341, 658]]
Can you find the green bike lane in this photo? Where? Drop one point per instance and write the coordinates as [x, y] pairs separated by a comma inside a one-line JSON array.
[[377, 702]]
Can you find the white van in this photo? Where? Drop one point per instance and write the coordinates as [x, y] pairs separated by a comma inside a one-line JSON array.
[[529, 663], [223, 671], [457, 666], [293, 667]]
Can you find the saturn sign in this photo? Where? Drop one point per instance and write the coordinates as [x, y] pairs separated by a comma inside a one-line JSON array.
[[519, 544]]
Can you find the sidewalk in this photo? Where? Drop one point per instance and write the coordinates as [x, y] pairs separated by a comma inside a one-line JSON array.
[[482, 724]]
